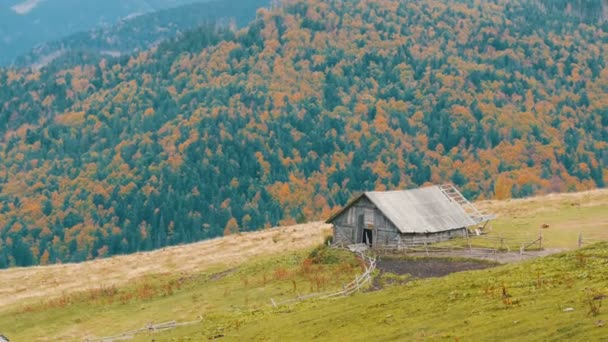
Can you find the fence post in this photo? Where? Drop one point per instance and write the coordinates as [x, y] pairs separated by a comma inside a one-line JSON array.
[[425, 249], [580, 240], [521, 251], [540, 240]]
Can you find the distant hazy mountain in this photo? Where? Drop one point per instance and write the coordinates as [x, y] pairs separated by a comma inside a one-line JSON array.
[[140, 33], [27, 23]]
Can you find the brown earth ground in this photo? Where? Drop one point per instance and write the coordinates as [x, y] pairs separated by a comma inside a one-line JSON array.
[[500, 257], [429, 267]]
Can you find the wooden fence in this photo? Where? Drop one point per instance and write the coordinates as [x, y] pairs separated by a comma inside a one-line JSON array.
[[128, 335], [348, 289], [472, 246], [587, 240]]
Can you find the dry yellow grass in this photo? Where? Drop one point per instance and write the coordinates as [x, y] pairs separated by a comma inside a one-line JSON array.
[[561, 218], [19, 284], [548, 203]]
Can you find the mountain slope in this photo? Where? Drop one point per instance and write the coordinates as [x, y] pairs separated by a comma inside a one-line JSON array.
[[142, 32], [219, 131], [229, 283], [26, 23]]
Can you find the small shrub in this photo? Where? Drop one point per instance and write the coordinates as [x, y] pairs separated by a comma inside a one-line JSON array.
[[276, 238], [306, 266], [506, 297], [102, 292], [325, 255], [145, 291], [281, 274], [594, 299], [320, 281], [345, 268], [126, 297], [539, 280], [581, 259], [168, 289]]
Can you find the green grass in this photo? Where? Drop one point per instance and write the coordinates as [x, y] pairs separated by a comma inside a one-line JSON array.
[[216, 295], [514, 302], [511, 302], [564, 227]]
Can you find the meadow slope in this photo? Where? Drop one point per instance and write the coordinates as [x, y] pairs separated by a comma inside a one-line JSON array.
[[20, 284], [229, 282]]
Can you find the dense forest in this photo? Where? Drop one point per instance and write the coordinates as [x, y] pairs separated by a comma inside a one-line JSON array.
[[219, 131], [139, 33]]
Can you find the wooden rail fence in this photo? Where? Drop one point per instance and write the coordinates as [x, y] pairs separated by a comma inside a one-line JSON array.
[[348, 289], [497, 245], [128, 335], [582, 240]]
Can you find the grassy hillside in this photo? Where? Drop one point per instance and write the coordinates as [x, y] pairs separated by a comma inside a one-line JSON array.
[[566, 215], [228, 283], [23, 284], [527, 300], [282, 122]]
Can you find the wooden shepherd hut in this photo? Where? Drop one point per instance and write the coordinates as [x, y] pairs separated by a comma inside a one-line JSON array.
[[401, 218]]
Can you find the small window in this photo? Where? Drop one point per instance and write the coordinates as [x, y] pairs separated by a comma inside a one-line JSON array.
[[369, 217]]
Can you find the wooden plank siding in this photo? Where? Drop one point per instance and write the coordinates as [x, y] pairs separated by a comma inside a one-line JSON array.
[[345, 225], [385, 234]]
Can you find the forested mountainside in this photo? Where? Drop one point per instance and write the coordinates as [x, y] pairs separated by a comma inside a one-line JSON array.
[[139, 33], [218, 131]]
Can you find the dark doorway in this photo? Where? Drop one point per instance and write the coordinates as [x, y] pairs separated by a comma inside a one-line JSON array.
[[367, 237], [359, 232]]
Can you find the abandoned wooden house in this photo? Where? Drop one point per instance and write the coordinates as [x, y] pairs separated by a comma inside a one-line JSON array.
[[401, 218]]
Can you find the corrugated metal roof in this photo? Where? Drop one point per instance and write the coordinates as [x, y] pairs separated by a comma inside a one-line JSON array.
[[423, 210]]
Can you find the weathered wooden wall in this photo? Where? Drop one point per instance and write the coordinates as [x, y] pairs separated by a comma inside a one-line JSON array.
[[410, 239], [385, 233], [346, 230]]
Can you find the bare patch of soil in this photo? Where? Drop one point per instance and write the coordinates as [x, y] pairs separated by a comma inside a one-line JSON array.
[[429, 267]]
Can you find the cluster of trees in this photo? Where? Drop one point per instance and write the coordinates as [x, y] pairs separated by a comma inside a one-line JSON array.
[[219, 131]]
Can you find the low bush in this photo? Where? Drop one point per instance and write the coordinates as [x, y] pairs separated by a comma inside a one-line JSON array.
[[324, 255]]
